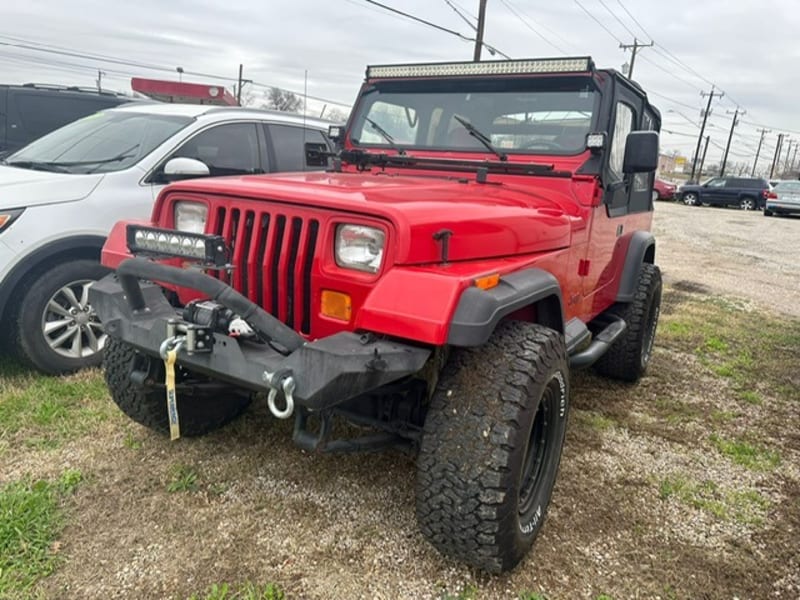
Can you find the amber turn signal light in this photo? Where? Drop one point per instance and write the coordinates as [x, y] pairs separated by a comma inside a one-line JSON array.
[[336, 305], [487, 282]]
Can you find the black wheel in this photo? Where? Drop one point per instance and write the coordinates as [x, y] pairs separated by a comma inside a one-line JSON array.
[[748, 203], [491, 446], [691, 199], [56, 329], [628, 358], [198, 413]]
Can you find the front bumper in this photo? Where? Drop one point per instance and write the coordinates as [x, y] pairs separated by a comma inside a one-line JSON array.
[[784, 208], [326, 372]]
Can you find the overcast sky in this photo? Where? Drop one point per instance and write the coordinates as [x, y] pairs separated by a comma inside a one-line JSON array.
[[748, 48]]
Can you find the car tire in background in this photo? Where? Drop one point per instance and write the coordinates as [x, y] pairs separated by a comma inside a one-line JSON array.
[[690, 199], [56, 329], [748, 203]]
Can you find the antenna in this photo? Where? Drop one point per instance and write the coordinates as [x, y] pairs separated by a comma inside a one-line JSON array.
[[305, 101]]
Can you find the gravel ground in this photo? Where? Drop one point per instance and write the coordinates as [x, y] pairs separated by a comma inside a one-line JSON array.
[[645, 505], [733, 252]]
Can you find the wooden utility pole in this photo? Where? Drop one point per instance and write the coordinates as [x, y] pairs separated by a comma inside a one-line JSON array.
[[758, 150], [239, 87], [703, 159], [788, 151], [479, 33], [734, 123], [777, 154], [635, 47], [703, 127]]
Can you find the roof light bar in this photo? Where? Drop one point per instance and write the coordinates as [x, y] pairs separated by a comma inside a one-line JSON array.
[[491, 67]]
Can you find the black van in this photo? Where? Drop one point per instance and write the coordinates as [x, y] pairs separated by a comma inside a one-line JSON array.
[[31, 110]]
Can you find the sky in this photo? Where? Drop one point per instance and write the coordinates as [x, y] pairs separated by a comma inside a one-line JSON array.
[[747, 49]]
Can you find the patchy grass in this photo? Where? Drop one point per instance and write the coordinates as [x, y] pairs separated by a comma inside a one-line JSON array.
[[43, 412], [30, 521], [533, 596], [748, 455], [594, 421], [468, 592], [183, 478], [246, 591], [740, 506]]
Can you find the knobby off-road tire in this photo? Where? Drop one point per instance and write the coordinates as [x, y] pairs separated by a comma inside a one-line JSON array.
[[491, 446], [198, 414], [628, 358]]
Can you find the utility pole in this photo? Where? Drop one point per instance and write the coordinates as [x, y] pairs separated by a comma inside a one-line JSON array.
[[758, 150], [479, 33], [240, 85], [703, 160], [100, 80], [777, 154], [734, 123], [635, 47], [703, 127], [794, 156], [788, 151]]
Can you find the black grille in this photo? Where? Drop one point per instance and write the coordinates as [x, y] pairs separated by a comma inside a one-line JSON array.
[[272, 257]]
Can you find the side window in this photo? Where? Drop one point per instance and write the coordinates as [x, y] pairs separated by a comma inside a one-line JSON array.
[[230, 149], [289, 144], [736, 183], [716, 183], [623, 125]]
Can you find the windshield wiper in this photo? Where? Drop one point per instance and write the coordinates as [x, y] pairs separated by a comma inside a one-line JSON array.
[[37, 165], [385, 135], [100, 161], [481, 137]]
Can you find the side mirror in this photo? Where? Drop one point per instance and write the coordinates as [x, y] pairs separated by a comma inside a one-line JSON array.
[[316, 154], [185, 168], [641, 152]]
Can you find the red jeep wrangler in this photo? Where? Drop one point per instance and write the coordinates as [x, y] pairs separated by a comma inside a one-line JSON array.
[[483, 230]]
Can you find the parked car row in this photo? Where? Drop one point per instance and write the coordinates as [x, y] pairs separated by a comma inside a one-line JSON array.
[[60, 196]]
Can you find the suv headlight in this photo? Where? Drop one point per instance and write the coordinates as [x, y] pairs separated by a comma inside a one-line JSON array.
[[359, 247], [191, 217], [7, 217]]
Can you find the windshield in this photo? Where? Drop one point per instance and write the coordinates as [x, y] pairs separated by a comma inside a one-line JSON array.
[[788, 187], [526, 116], [100, 143]]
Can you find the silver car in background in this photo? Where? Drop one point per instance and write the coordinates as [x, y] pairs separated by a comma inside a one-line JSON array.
[[783, 199]]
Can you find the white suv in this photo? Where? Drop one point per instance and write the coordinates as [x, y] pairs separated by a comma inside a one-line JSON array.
[[60, 196]]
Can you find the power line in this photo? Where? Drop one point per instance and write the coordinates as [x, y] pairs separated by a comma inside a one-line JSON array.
[[613, 14], [634, 19], [596, 20], [670, 73], [460, 14], [525, 17], [527, 24]]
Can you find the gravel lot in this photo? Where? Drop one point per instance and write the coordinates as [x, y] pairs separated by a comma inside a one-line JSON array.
[[683, 486], [733, 252]]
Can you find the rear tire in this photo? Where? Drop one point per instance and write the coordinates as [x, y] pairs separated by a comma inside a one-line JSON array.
[[628, 357], [491, 446], [691, 199], [748, 203], [198, 414]]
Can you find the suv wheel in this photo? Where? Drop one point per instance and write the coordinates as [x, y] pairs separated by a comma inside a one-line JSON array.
[[628, 358], [56, 329], [491, 446], [199, 412], [691, 199], [747, 203]]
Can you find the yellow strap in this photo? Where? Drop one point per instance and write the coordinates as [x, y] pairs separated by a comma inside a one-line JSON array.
[[172, 400]]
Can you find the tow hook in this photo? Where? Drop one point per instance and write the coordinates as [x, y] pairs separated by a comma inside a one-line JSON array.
[[277, 381], [169, 352]]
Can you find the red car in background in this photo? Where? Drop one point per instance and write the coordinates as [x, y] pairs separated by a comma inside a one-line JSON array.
[[663, 190]]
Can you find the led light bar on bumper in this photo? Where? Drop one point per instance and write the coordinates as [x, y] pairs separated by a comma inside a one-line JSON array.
[[210, 249], [489, 67]]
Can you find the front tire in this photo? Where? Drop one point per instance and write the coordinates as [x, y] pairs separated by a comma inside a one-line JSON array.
[[628, 357], [198, 414], [491, 446], [56, 330], [691, 199], [747, 204]]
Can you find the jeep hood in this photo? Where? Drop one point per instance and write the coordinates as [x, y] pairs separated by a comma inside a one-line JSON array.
[[23, 188], [486, 219]]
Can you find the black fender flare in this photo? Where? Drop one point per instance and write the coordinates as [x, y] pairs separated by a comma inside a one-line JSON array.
[[39, 256], [641, 249], [479, 311]]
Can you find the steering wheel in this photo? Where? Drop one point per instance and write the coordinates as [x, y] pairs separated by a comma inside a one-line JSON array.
[[547, 145]]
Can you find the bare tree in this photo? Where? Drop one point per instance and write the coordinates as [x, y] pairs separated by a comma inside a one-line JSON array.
[[283, 100], [334, 114]]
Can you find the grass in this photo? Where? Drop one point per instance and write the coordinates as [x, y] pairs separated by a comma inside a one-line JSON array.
[[246, 591], [740, 506], [532, 596], [183, 478], [748, 455], [468, 592], [594, 420], [43, 412], [30, 520]]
